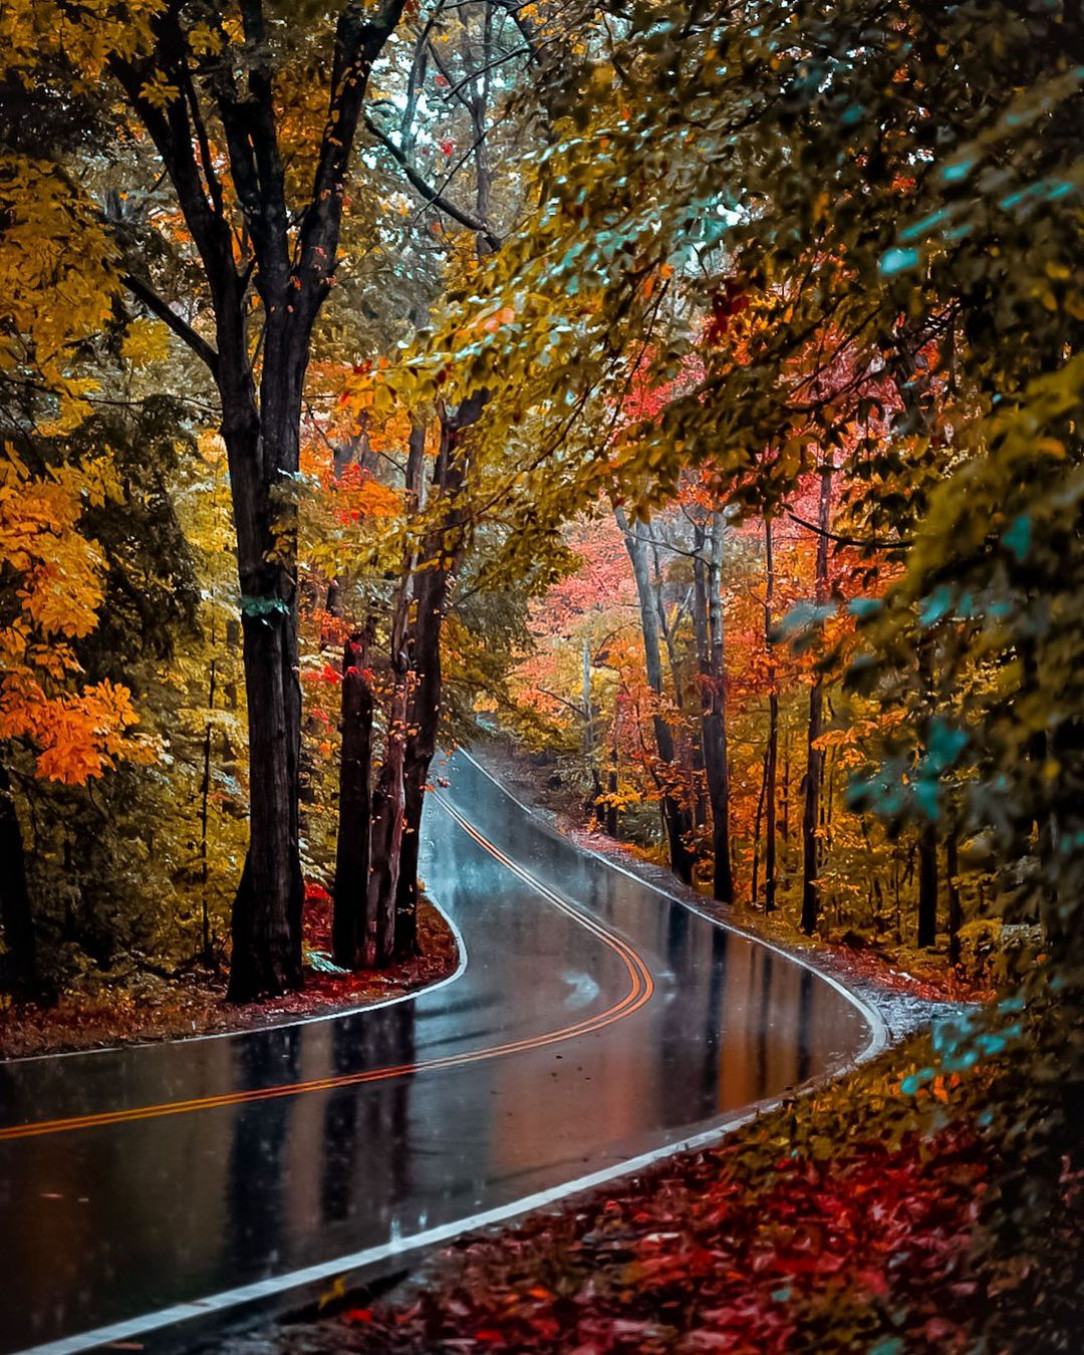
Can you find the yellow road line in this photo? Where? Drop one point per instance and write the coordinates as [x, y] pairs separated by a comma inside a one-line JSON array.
[[640, 991]]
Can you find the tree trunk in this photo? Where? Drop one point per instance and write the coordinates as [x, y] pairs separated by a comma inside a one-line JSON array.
[[439, 557], [927, 886], [611, 807], [675, 818], [205, 813], [758, 824], [588, 713], [18, 966], [378, 945], [955, 912], [355, 767], [711, 655], [771, 758], [267, 909], [927, 841], [814, 756]]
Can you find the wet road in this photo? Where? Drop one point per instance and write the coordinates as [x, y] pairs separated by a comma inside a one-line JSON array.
[[595, 1021]]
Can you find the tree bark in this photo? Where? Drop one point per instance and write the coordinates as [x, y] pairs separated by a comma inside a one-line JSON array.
[[355, 803], [18, 966], [266, 923], [955, 911], [439, 558], [928, 838], [814, 756], [711, 655], [378, 945], [675, 818], [771, 759], [927, 886]]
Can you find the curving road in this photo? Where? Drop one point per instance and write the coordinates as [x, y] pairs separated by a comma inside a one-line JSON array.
[[595, 1024]]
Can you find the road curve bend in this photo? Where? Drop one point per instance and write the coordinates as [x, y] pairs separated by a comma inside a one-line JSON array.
[[594, 1025]]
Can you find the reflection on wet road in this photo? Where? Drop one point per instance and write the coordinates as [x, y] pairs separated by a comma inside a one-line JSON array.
[[595, 1020]]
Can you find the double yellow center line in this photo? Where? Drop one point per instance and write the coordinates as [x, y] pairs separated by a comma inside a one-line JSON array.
[[641, 987]]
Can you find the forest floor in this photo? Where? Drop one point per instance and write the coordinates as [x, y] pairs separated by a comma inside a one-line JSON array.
[[136, 1006]]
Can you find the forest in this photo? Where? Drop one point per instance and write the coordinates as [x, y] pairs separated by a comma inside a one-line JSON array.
[[677, 401]]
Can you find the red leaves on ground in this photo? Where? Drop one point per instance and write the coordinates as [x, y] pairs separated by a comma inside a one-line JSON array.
[[756, 1247]]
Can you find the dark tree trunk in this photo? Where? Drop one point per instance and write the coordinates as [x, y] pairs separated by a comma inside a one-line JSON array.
[[378, 945], [267, 909], [758, 825], [18, 966], [406, 898], [440, 554], [928, 838], [955, 911], [675, 818], [355, 767], [611, 807], [771, 756], [814, 774], [711, 655], [288, 255], [927, 886]]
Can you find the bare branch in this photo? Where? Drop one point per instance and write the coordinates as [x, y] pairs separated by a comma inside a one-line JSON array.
[[158, 306], [870, 542], [432, 195]]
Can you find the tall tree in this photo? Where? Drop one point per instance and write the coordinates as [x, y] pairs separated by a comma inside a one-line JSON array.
[[711, 657], [206, 91], [814, 770], [676, 819]]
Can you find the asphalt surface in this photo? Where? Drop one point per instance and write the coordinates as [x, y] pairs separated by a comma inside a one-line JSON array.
[[595, 1021]]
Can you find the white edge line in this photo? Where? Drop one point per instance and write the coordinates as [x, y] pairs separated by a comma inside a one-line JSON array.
[[325, 1270], [878, 1041], [339, 1014]]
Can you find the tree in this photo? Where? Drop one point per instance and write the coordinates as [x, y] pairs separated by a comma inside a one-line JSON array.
[[76, 731], [711, 657], [814, 772], [355, 798], [771, 752], [206, 87], [675, 816]]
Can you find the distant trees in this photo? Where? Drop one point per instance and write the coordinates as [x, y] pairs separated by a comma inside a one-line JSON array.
[[829, 253]]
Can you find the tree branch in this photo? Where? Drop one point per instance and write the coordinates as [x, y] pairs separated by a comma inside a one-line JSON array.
[[358, 43], [473, 74], [158, 306], [872, 542], [431, 195]]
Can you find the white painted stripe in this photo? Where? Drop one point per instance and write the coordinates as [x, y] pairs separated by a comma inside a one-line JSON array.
[[227, 1299]]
